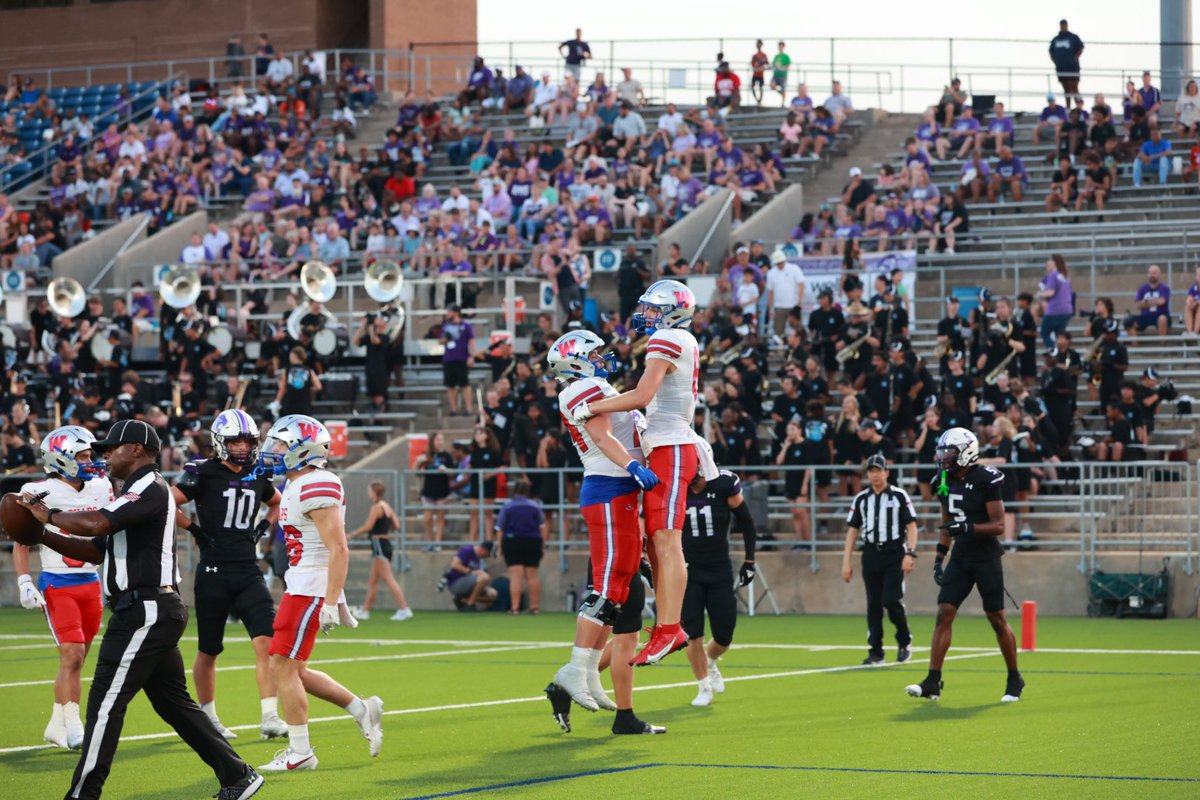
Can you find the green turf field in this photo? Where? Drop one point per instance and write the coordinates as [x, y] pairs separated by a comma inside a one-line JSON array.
[[1112, 710]]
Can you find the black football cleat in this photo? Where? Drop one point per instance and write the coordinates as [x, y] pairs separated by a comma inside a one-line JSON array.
[[903, 654], [560, 705], [931, 690], [1013, 689], [247, 787], [872, 660], [630, 724]]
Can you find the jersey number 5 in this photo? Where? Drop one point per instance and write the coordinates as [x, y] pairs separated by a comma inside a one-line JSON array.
[[952, 506], [295, 547]]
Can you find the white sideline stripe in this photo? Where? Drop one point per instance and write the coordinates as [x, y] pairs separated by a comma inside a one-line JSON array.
[[355, 660], [48, 642], [538, 698]]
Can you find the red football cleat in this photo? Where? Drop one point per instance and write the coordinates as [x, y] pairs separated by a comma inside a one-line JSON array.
[[661, 645]]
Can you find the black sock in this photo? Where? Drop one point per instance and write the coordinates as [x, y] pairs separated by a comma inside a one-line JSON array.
[[625, 714], [935, 674], [1014, 673]]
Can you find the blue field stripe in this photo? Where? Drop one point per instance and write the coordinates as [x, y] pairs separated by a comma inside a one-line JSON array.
[[532, 782]]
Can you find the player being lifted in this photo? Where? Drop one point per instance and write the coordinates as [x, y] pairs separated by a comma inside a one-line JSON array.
[[973, 517], [228, 491], [667, 390], [710, 584], [68, 590], [613, 476], [312, 513]]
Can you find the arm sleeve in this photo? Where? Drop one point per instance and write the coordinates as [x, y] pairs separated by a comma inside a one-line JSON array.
[[746, 526], [992, 491]]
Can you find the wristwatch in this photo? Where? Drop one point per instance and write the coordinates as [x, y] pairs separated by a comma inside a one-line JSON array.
[[910, 552]]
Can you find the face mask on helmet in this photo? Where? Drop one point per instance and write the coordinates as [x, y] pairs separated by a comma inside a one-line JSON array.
[[604, 364], [647, 318], [947, 457], [271, 459], [246, 459]]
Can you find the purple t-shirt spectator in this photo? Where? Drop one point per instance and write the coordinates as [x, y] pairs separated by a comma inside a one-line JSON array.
[[459, 336], [731, 158], [1194, 291], [895, 221], [480, 78], [851, 231], [425, 206], [521, 516], [919, 157], [706, 140], [462, 267], [1013, 168], [964, 126], [749, 178], [1003, 125], [928, 132], [469, 558], [735, 274], [261, 202], [145, 303], [1057, 112], [1148, 292], [271, 159], [982, 171], [689, 193], [1060, 303], [595, 216]]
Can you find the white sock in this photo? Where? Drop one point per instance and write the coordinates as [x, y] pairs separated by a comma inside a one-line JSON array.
[[269, 708], [705, 684], [298, 739], [580, 656], [594, 661], [70, 711], [210, 709], [56, 715], [357, 709]]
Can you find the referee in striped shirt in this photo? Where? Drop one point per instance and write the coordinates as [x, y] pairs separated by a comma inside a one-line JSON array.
[[883, 516], [134, 538]]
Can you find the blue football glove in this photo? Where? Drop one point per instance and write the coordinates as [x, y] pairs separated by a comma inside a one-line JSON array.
[[644, 477]]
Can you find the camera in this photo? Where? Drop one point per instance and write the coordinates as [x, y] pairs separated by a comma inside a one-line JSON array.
[[370, 316], [1167, 391]]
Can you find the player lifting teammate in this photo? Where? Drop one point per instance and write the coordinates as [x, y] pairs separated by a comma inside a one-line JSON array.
[[613, 475], [710, 584], [667, 390], [68, 590], [973, 517], [312, 513], [228, 491]]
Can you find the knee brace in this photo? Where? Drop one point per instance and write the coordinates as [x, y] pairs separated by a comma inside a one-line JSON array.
[[601, 610]]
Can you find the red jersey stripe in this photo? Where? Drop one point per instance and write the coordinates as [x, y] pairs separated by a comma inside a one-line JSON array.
[[330, 495], [590, 394], [321, 485], [653, 348], [666, 343]]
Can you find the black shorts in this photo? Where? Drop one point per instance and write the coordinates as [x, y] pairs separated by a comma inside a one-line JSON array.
[[521, 551], [757, 80], [454, 374], [629, 620], [222, 588], [710, 591], [962, 574], [381, 547]]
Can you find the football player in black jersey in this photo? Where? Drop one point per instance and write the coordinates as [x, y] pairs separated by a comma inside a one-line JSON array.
[[973, 518], [710, 585], [227, 495]]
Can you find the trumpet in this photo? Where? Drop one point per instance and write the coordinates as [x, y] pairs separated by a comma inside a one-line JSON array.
[[995, 374], [850, 351]]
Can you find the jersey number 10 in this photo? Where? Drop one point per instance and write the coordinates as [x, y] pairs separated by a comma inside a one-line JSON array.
[[239, 509]]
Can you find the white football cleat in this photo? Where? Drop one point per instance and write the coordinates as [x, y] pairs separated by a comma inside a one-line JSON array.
[[372, 724], [573, 680], [360, 614], [716, 678], [221, 729], [596, 690], [704, 696], [74, 726], [402, 614], [272, 727], [56, 732], [287, 760]]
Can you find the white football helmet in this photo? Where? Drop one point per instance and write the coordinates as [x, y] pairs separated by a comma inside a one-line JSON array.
[[230, 425], [578, 355], [294, 442], [674, 302], [957, 447], [61, 448]]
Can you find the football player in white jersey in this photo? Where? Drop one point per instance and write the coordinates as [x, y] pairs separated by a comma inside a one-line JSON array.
[[613, 478], [667, 390], [67, 591], [312, 514]]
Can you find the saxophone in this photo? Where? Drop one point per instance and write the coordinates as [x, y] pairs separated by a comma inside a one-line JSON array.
[[850, 351], [995, 374]]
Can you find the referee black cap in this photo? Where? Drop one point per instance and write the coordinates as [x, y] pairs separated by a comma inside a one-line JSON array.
[[129, 431], [876, 461]]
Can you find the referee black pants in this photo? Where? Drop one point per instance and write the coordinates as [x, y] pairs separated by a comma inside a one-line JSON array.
[[884, 580], [140, 652]]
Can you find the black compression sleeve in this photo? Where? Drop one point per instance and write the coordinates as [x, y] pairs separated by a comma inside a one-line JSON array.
[[746, 526]]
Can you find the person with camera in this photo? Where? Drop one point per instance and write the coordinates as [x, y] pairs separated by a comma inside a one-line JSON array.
[[1150, 391], [373, 336]]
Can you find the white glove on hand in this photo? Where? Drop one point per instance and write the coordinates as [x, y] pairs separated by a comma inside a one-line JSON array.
[[274, 407], [329, 618], [639, 422], [30, 596], [345, 617], [581, 414]]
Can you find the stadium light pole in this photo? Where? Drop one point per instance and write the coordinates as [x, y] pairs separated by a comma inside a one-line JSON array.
[[1175, 48]]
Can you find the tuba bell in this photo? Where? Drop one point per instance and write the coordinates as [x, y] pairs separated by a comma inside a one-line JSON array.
[[318, 281], [66, 297], [180, 287], [384, 281]]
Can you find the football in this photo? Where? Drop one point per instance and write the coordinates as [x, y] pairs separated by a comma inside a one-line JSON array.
[[17, 522]]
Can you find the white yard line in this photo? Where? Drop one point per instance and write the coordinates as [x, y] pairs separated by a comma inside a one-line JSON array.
[[540, 697]]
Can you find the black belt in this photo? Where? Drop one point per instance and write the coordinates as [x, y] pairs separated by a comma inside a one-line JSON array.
[[122, 601], [893, 544]]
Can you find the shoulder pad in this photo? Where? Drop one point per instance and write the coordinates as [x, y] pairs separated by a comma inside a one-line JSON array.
[[193, 467]]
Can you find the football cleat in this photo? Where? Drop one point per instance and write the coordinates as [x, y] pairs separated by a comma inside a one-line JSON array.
[[221, 729], [287, 760], [371, 725], [596, 690], [401, 615], [1012, 691], [716, 678], [248, 786], [560, 706], [573, 680], [659, 647], [272, 727], [872, 660], [632, 725], [56, 732], [74, 726], [903, 654], [704, 696], [360, 613], [931, 690]]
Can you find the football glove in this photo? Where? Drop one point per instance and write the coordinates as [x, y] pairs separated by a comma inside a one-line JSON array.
[[261, 530], [30, 596], [202, 538], [938, 572], [646, 571], [330, 618], [958, 528], [581, 414], [745, 574], [644, 477]]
